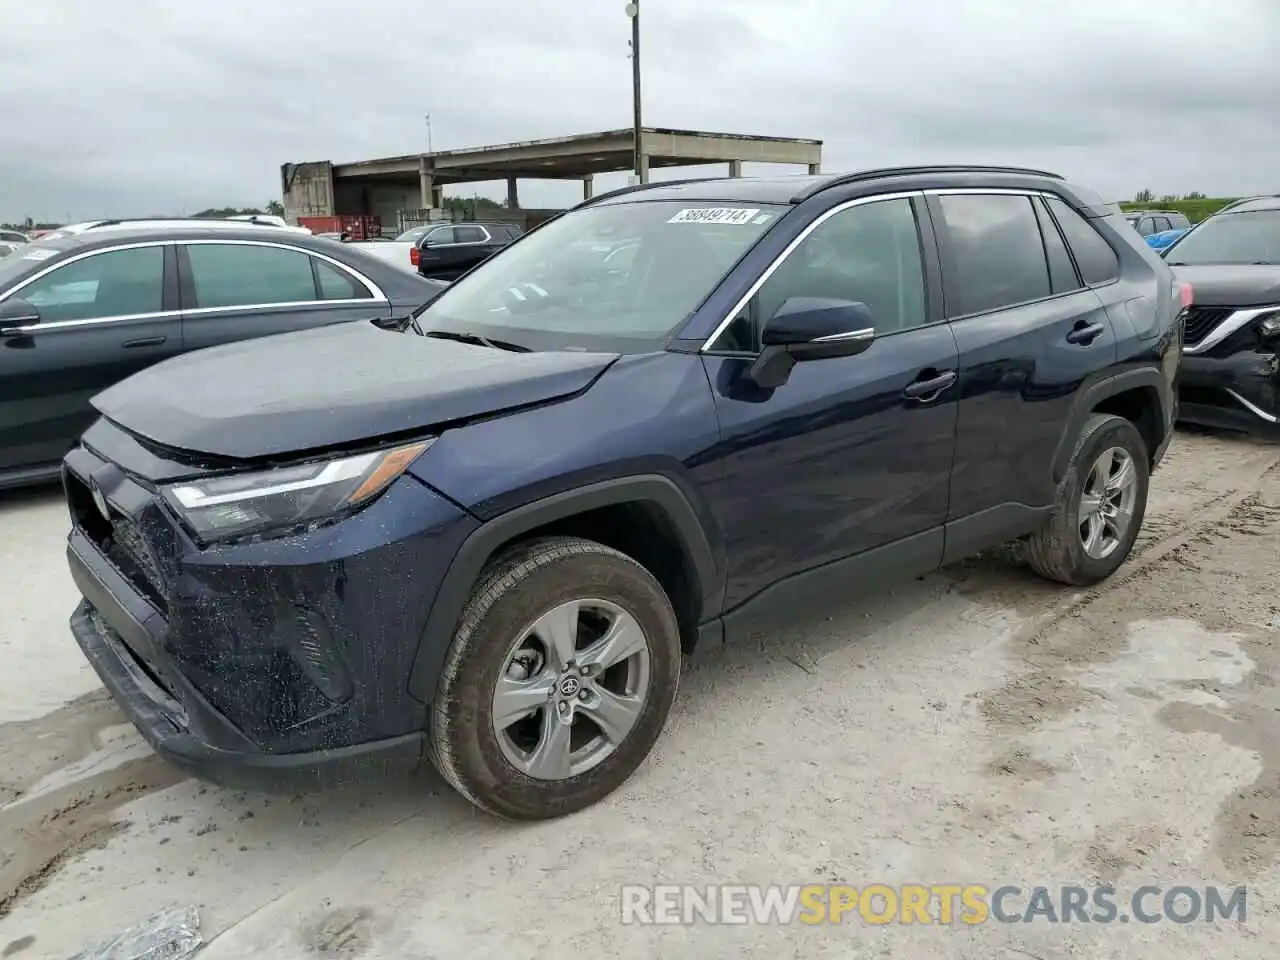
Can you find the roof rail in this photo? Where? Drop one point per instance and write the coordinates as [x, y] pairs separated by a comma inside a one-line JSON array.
[[98, 224], [636, 187], [877, 174]]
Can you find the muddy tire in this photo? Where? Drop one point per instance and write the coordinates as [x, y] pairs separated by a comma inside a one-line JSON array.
[[1099, 506], [559, 680]]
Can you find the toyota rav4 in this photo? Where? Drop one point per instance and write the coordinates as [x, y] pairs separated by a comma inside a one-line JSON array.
[[485, 534]]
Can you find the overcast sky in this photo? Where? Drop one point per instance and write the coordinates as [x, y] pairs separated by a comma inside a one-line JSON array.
[[116, 107]]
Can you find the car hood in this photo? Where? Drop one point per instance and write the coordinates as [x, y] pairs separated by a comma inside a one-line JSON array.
[[1232, 285], [332, 386]]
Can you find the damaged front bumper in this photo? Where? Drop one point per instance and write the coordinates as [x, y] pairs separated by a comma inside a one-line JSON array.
[[1239, 392], [276, 665]]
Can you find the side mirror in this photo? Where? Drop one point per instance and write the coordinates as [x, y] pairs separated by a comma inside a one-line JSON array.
[[810, 328], [15, 314]]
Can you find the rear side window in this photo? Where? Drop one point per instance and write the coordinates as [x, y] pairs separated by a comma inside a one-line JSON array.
[[997, 256], [1098, 263], [438, 237], [1161, 224], [469, 235], [243, 275], [1062, 272]]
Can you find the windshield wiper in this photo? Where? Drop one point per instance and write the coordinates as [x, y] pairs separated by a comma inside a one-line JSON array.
[[474, 338]]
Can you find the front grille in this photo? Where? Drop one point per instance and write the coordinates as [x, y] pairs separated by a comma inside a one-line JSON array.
[[1200, 322], [119, 539], [135, 559]]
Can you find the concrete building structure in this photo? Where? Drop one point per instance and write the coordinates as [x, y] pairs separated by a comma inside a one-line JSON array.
[[413, 183]]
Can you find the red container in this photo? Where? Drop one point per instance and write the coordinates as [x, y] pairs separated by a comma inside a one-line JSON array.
[[356, 227]]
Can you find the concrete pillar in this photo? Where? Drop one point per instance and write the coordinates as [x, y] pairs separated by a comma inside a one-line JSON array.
[[735, 168], [513, 194], [644, 168], [815, 169], [437, 197], [588, 186], [426, 183]]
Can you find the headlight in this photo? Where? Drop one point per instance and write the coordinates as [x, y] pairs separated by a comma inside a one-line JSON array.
[[287, 497], [1269, 326]]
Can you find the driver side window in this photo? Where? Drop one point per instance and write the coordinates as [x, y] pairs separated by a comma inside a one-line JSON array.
[[868, 254]]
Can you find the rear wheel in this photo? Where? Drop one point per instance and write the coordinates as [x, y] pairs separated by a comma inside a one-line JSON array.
[[559, 680], [1100, 505]]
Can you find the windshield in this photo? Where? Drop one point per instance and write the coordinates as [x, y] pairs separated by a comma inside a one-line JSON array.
[[411, 235], [610, 277], [1231, 238]]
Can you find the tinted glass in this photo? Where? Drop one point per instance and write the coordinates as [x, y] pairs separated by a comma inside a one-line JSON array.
[[1231, 238], [1161, 224], [997, 255], [439, 236], [556, 290], [868, 254], [1062, 273], [112, 284], [410, 236], [242, 275], [468, 235], [337, 284], [1098, 263]]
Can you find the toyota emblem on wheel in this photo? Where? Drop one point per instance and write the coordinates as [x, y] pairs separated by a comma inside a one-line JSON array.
[[570, 686]]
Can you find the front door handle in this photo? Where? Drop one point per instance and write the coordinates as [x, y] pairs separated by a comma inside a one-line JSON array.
[[144, 342], [928, 389], [1085, 335]]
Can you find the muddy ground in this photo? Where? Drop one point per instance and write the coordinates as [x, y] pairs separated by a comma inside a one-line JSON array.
[[977, 726]]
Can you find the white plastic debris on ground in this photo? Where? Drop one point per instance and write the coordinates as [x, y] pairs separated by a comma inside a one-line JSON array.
[[168, 935]]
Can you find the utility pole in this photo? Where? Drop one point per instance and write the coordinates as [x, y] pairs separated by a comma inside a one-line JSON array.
[[633, 11], [430, 149]]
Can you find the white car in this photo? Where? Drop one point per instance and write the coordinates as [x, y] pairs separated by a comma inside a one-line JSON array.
[[396, 252], [270, 219]]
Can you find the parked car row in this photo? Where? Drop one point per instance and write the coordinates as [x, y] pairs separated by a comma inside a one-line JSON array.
[[483, 535], [443, 251]]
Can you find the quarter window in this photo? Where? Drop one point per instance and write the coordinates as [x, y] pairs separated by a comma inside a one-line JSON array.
[[1062, 273], [244, 275], [337, 284], [439, 237], [116, 283], [868, 254], [996, 252], [469, 235], [1098, 263]]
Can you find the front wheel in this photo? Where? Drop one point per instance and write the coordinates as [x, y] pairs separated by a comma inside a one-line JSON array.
[[559, 680], [1100, 505]]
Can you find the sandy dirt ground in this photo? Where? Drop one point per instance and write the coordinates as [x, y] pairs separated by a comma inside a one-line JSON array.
[[977, 726]]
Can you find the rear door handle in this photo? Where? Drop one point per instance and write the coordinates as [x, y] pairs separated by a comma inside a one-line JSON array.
[[926, 390], [144, 342], [1085, 335]]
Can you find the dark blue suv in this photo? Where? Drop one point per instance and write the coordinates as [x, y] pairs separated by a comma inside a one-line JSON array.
[[485, 533]]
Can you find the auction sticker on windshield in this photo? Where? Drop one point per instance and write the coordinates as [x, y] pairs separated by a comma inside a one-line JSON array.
[[734, 215]]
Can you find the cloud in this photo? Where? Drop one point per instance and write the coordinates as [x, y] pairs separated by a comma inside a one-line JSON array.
[[120, 107]]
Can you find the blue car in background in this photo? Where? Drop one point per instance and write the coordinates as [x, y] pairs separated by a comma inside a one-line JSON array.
[[1159, 227], [1164, 239]]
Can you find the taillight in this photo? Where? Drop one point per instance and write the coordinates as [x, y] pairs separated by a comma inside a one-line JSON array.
[[414, 256]]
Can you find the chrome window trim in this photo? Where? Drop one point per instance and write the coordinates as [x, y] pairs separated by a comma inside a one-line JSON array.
[[23, 284], [56, 325], [1233, 322], [998, 191], [378, 297], [375, 291], [1253, 408], [708, 344]]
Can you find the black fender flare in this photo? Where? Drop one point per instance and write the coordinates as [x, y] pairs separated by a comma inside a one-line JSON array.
[[485, 540], [1087, 400]]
